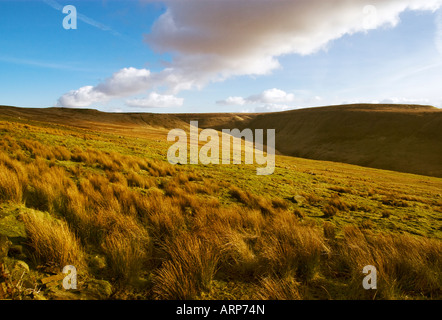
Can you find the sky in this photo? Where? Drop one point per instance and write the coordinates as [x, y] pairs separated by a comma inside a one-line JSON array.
[[178, 56]]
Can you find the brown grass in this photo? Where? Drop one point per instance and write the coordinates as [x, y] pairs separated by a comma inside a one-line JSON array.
[[291, 248], [10, 186], [183, 228], [52, 241], [189, 269], [279, 289], [404, 262]]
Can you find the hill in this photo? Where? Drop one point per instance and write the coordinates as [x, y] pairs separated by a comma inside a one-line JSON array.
[[105, 200], [403, 138]]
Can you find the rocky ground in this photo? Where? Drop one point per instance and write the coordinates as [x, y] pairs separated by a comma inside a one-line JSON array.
[[21, 278]]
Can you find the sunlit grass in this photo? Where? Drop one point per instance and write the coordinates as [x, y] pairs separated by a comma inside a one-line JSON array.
[[191, 228]]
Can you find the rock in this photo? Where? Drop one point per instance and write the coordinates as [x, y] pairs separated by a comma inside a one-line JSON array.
[[297, 199], [97, 289], [91, 290], [18, 269], [98, 262], [12, 227]]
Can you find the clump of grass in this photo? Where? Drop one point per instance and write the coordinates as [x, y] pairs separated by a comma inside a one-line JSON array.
[[337, 202], [311, 198], [237, 256], [126, 255], [52, 241], [250, 200], [329, 211], [136, 180], [279, 203], [45, 187], [392, 199], [279, 289], [10, 186], [385, 214], [329, 230], [291, 248], [188, 271], [299, 213], [341, 189], [418, 271]]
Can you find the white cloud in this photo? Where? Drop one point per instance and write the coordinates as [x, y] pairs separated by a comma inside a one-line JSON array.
[[213, 40], [217, 39], [272, 96], [81, 98], [396, 100], [232, 101], [273, 108], [125, 82], [155, 100], [270, 100]]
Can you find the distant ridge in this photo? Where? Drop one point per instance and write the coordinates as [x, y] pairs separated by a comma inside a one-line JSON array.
[[406, 138]]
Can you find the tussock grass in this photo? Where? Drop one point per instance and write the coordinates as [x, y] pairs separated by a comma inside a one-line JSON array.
[[10, 186], [184, 227], [52, 240], [291, 248], [279, 289], [127, 253], [405, 263], [189, 270], [250, 200], [237, 255]]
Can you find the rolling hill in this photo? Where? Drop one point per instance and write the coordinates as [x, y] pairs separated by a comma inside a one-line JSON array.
[[405, 138], [95, 191]]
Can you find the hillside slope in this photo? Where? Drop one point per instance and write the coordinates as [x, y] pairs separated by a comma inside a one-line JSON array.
[[404, 138], [134, 124]]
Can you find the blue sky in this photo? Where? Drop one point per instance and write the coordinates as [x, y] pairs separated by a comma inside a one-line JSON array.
[[220, 56]]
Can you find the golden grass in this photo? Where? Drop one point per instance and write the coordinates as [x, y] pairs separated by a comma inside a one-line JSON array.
[[189, 269], [10, 187], [291, 248], [52, 240], [279, 289], [404, 262], [184, 228]]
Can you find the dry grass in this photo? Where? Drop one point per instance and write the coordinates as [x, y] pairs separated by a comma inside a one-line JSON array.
[[418, 271], [184, 228], [291, 248], [52, 241], [10, 186], [279, 289], [189, 270]]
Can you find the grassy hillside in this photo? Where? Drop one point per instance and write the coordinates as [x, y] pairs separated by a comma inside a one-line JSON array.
[[137, 227], [403, 138]]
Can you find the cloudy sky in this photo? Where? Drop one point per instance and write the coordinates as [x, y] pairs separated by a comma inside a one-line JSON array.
[[219, 55]]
